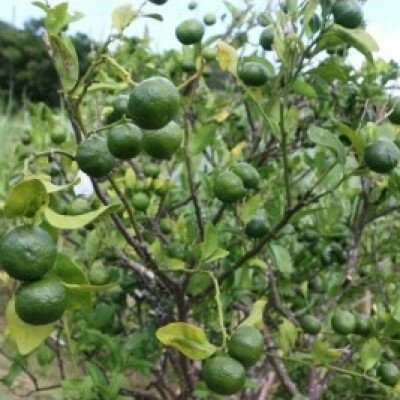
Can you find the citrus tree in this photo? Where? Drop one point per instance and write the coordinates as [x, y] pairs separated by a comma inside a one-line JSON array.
[[242, 236]]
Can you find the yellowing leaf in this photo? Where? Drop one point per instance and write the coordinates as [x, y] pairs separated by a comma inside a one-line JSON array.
[[25, 199], [287, 336], [122, 16], [227, 57], [255, 318], [188, 339], [237, 150], [221, 116], [76, 221], [27, 337]]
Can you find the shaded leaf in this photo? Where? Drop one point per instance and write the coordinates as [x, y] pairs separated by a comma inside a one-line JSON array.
[[357, 38], [69, 272], [355, 139], [325, 138], [251, 207], [282, 258]]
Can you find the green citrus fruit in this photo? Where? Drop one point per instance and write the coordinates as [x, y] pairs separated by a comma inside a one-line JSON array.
[[120, 105], [228, 187], [160, 186], [158, 2], [58, 136], [314, 23], [125, 141], [165, 226], [190, 31], [176, 250], [343, 322], [248, 174], [140, 201], [44, 355], [79, 206], [209, 19], [381, 156], [192, 5], [209, 54], [256, 228], [389, 373], [41, 302], [267, 38], [246, 345], [223, 375], [310, 324], [347, 13], [188, 65], [27, 252], [363, 325], [26, 138], [162, 144], [98, 275], [151, 170], [153, 103], [394, 116], [93, 156], [253, 74], [316, 285]]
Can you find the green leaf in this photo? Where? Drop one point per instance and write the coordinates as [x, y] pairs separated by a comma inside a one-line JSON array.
[[309, 11], [255, 318], [25, 199], [27, 337], [58, 18], [330, 70], [232, 9], [210, 243], [188, 339], [65, 60], [251, 207], [155, 16], [303, 88], [287, 336], [69, 272], [354, 137], [322, 354], [227, 57], [370, 353], [122, 16], [357, 38], [283, 260], [325, 138], [203, 138], [217, 255], [77, 221]]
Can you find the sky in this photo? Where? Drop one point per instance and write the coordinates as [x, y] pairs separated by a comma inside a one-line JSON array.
[[382, 17]]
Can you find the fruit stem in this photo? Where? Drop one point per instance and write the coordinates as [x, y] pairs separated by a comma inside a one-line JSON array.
[[220, 310], [127, 206]]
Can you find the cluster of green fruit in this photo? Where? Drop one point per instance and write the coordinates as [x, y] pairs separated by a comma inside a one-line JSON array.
[[28, 253], [151, 107], [225, 374], [345, 323]]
